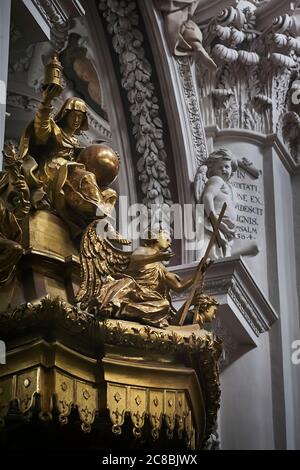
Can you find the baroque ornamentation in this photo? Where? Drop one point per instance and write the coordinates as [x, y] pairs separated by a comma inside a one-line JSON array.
[[57, 20], [136, 285], [49, 315], [169, 406], [54, 176], [122, 20], [194, 111], [22, 63], [52, 13], [46, 311], [240, 298], [139, 337], [21, 101], [256, 68], [183, 35]]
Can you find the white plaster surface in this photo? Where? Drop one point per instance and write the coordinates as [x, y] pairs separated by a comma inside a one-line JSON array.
[[4, 49]]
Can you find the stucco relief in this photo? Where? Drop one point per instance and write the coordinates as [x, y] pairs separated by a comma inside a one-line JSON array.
[[258, 59]]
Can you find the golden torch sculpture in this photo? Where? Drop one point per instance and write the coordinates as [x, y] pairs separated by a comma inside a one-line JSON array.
[[53, 74]]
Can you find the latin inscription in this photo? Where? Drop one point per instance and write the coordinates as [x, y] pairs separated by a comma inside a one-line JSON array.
[[249, 205]]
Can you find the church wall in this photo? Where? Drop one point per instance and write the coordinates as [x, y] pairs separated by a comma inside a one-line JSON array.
[[245, 144], [286, 295], [246, 419], [4, 50]]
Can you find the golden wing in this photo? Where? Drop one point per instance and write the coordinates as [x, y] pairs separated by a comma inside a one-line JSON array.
[[99, 258]]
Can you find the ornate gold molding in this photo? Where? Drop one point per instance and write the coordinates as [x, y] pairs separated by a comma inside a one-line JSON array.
[[148, 373]]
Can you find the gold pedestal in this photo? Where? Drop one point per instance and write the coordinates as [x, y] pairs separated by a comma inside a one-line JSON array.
[[128, 381]]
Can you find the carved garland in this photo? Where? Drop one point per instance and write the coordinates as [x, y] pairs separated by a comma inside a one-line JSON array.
[[127, 40], [194, 111]]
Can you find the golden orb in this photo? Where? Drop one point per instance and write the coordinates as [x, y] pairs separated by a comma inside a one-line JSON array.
[[101, 160]]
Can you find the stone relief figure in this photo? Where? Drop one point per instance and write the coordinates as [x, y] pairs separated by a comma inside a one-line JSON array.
[[212, 188], [50, 150], [135, 286], [183, 34]]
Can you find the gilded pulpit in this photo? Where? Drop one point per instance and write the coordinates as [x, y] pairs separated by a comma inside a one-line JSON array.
[[97, 356]]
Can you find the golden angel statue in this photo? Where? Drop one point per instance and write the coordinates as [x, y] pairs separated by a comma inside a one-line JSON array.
[[130, 285], [52, 172], [61, 176]]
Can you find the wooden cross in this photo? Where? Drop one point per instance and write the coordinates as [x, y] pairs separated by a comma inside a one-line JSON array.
[[216, 237]]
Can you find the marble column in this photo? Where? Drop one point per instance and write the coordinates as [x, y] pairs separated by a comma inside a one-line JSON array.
[[4, 50]]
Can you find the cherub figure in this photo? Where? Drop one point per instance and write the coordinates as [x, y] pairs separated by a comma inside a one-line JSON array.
[[134, 286], [213, 190], [207, 310]]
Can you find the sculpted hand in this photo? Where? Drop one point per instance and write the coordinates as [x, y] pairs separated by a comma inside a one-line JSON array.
[[164, 255], [22, 187], [50, 92], [228, 232], [206, 265]]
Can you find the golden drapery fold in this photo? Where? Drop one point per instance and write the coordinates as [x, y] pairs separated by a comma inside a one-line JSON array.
[[141, 296]]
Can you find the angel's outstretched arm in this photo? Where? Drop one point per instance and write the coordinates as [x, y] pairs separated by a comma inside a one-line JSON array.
[[42, 119], [178, 285], [146, 255], [175, 283]]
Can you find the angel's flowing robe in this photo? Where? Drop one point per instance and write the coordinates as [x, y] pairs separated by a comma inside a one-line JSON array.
[[143, 296]]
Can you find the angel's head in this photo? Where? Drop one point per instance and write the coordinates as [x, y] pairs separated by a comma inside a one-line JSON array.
[[207, 309], [160, 238], [221, 163]]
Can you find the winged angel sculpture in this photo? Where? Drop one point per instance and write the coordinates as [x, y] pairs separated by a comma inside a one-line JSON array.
[[53, 173], [135, 285]]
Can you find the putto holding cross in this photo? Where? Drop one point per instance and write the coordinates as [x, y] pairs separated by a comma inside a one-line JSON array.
[[213, 189]]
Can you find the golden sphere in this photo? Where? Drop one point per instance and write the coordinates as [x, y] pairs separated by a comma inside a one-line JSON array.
[[101, 160]]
